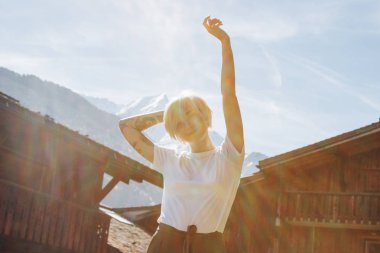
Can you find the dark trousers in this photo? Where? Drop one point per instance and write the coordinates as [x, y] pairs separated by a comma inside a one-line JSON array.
[[170, 240]]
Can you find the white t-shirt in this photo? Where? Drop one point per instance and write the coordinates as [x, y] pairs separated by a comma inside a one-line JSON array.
[[199, 188]]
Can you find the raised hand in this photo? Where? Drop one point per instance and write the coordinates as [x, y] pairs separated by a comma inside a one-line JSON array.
[[212, 25]]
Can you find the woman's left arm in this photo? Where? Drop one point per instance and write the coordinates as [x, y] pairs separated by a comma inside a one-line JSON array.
[[231, 109]]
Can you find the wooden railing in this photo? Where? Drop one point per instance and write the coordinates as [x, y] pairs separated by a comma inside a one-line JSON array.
[[346, 208], [33, 216]]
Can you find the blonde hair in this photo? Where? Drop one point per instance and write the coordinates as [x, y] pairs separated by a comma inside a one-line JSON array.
[[175, 111]]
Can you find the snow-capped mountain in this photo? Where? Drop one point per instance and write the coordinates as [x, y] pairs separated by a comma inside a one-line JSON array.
[[250, 162], [98, 118], [144, 105], [72, 110], [104, 104], [158, 134]]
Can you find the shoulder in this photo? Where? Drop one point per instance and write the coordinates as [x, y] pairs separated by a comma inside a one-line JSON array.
[[163, 157], [233, 158], [228, 148]]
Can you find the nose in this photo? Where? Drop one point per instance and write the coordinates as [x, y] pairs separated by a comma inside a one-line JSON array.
[[189, 126]]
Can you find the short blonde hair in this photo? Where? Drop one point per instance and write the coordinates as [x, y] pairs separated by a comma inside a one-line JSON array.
[[175, 111]]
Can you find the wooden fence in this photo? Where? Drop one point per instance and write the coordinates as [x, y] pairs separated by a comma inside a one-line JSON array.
[[351, 208], [39, 218]]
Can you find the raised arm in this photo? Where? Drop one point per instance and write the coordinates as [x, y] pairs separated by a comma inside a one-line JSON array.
[[132, 129], [231, 109]]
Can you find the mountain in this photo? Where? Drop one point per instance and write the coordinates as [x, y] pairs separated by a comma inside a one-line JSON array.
[[98, 118], [65, 106], [144, 105], [104, 104], [158, 134], [250, 162], [72, 110]]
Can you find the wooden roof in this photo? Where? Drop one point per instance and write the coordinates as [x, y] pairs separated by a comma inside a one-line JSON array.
[[347, 144], [118, 165]]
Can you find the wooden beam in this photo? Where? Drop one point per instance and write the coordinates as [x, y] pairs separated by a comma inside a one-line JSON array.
[[333, 225], [356, 141], [111, 184]]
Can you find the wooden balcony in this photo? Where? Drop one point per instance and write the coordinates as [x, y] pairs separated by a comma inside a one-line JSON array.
[[30, 216], [349, 210]]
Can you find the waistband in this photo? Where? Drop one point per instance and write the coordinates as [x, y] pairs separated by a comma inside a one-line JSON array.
[[188, 235], [191, 230]]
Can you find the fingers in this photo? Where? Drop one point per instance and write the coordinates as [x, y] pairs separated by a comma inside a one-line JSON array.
[[206, 19], [214, 22], [211, 22], [205, 22]]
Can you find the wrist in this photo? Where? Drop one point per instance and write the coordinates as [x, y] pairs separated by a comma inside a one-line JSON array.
[[226, 40]]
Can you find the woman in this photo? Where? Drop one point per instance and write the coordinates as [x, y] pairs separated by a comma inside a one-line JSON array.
[[199, 186]]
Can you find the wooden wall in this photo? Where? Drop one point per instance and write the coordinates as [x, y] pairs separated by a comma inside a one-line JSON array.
[[357, 173], [50, 182], [296, 239], [251, 224], [332, 207], [36, 156]]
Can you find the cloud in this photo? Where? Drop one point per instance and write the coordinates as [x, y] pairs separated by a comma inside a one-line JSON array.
[[277, 77], [273, 125], [374, 105], [128, 49], [336, 79], [264, 27]]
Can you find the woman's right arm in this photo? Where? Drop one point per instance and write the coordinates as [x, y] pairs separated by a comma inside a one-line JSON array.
[[133, 127]]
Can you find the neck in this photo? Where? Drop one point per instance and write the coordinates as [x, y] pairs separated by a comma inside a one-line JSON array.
[[202, 145]]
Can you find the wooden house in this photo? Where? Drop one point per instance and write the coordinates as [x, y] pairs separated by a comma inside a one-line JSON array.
[[51, 184], [319, 199]]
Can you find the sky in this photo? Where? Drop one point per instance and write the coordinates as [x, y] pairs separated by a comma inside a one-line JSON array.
[[305, 70]]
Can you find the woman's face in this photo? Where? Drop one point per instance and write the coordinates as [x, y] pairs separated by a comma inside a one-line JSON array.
[[192, 126]]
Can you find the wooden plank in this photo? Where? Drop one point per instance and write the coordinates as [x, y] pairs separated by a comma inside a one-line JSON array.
[[16, 225], [111, 184], [46, 222], [55, 224], [26, 214], [72, 227], [98, 239], [53, 220], [332, 207], [334, 225], [83, 231], [78, 230], [321, 208], [59, 225], [105, 223], [31, 220], [10, 211], [352, 208], [92, 239], [366, 208], [66, 226], [4, 200], [39, 219]]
